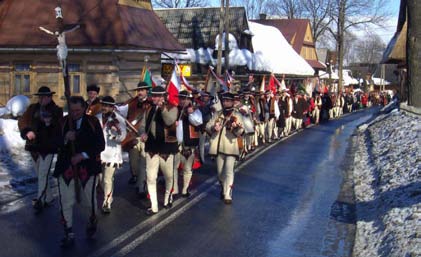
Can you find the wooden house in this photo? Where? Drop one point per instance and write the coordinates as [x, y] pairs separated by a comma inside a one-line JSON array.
[[117, 37], [197, 29]]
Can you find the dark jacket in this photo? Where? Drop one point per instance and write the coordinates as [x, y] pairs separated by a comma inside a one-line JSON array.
[[47, 137], [89, 139]]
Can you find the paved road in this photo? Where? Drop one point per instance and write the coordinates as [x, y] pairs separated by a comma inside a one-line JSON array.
[[285, 203]]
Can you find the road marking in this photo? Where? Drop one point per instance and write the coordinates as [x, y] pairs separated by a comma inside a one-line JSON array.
[[209, 184], [135, 243]]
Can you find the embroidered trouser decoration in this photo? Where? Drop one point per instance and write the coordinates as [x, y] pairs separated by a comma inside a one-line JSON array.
[[67, 198]]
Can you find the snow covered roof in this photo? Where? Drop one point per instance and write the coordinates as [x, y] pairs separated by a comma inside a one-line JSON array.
[[325, 75], [379, 81], [273, 53], [348, 79]]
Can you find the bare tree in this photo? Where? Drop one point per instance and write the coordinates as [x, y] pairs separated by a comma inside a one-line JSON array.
[[292, 9], [351, 14], [179, 3], [253, 7], [413, 49], [319, 13], [369, 49]]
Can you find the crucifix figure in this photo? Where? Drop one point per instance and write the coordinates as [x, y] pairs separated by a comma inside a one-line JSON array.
[[61, 37]]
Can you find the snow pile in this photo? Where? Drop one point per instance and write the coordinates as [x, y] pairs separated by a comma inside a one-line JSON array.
[[387, 181], [16, 172], [10, 135]]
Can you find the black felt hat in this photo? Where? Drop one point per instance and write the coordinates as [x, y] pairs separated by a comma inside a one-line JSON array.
[[92, 87], [44, 91], [108, 100], [158, 91]]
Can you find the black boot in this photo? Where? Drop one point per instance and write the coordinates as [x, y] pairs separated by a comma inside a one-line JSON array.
[[37, 205], [91, 228], [68, 239]]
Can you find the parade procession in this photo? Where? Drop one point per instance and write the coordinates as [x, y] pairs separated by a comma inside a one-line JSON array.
[[124, 110]]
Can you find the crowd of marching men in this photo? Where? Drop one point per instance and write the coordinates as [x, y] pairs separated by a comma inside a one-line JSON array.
[[160, 132]]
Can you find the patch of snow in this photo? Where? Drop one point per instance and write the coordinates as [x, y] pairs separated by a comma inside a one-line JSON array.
[[387, 182]]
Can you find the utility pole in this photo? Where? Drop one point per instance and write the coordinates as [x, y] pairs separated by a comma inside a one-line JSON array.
[[226, 25], [221, 30]]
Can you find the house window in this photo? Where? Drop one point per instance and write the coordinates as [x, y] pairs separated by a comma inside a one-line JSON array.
[[74, 77], [22, 79]]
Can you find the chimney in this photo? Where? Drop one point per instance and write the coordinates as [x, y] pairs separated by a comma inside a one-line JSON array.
[[262, 16]]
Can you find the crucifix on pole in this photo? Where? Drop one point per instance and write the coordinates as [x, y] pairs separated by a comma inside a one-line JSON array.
[[62, 51]]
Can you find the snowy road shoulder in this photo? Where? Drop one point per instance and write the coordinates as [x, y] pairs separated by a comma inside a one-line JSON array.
[[387, 182]]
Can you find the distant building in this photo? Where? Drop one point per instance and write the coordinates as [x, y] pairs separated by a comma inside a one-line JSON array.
[[110, 48]]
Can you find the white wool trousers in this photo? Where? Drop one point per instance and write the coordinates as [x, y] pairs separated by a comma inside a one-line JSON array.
[[187, 163], [288, 124], [137, 160], [67, 197], [107, 182], [153, 164], [225, 167], [42, 168]]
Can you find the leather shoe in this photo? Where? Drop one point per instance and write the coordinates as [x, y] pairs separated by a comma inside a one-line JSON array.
[[149, 212], [143, 195], [168, 206], [228, 201], [186, 195], [68, 240]]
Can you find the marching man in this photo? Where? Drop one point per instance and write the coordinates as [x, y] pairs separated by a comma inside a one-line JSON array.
[[114, 129], [132, 144], [93, 102], [40, 127], [77, 167], [158, 131], [191, 119], [226, 130]]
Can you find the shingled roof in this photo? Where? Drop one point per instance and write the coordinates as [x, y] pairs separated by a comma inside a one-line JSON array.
[[120, 24], [198, 27]]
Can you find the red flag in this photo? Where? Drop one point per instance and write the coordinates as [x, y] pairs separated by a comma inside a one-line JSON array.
[[272, 83], [173, 88]]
